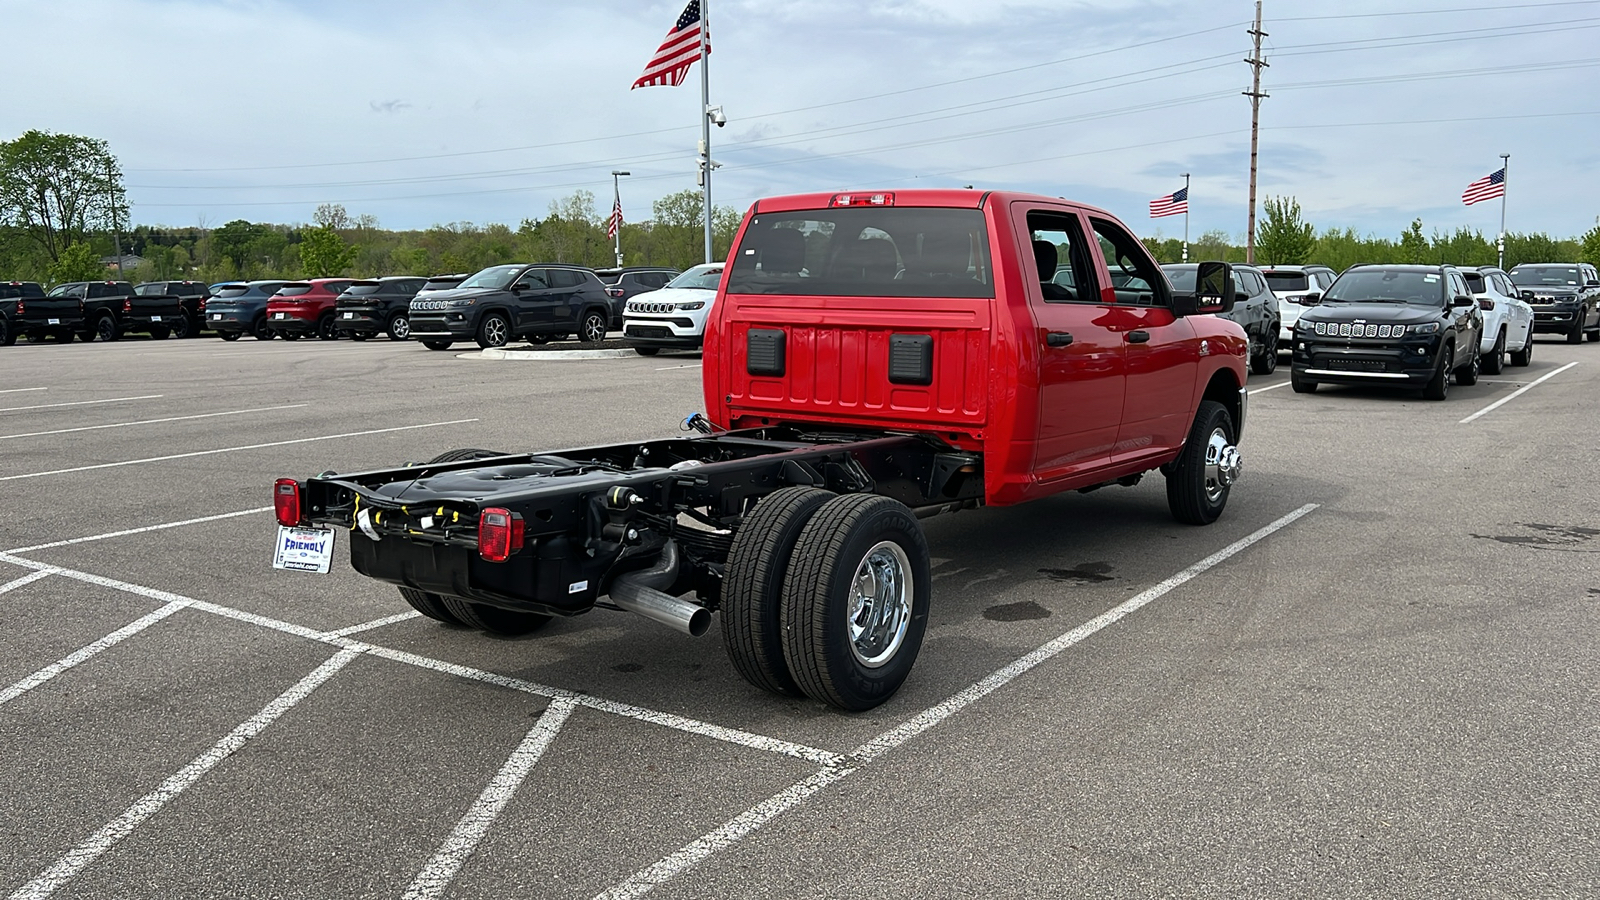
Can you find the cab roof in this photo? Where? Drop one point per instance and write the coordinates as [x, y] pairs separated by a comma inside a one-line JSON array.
[[949, 198]]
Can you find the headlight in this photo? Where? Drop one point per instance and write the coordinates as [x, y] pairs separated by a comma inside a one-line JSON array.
[[1424, 328], [696, 304], [460, 303]]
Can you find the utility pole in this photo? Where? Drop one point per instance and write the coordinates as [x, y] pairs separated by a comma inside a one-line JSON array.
[[116, 207], [1255, 95]]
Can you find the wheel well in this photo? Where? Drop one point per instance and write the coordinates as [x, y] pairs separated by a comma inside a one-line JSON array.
[[1224, 389]]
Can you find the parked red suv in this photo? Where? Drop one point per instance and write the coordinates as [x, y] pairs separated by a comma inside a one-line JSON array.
[[302, 308]]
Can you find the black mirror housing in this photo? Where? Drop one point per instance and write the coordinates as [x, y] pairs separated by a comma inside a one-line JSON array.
[[1311, 299], [1463, 301], [1213, 288]]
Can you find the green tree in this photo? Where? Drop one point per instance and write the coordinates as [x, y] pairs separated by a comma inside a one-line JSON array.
[[1413, 246], [1283, 237], [59, 187], [1591, 245], [324, 253], [78, 262], [233, 242]]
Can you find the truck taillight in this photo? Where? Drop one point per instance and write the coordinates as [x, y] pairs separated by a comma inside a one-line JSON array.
[[127, 306], [500, 534], [202, 304], [885, 199], [286, 501], [22, 307]]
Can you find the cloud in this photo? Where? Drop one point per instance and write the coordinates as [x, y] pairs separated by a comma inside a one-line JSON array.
[[388, 106]]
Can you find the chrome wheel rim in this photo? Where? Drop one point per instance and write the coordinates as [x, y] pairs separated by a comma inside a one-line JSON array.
[[879, 609], [1223, 464], [594, 330], [400, 327], [495, 331]]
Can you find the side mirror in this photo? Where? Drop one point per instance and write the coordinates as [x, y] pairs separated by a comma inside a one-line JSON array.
[[1213, 288], [1311, 299], [1462, 301], [1591, 283]]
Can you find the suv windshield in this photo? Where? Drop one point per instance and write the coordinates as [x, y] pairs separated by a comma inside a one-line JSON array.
[[1566, 276], [873, 251], [702, 277], [1387, 286], [494, 277], [1287, 281]]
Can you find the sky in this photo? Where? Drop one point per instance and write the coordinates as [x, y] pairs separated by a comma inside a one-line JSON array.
[[488, 110]]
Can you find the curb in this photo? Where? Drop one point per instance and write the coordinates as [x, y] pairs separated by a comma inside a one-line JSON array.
[[547, 355]]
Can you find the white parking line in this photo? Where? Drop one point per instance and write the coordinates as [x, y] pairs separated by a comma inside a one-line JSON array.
[[685, 366], [751, 820], [237, 412], [22, 390], [375, 623], [78, 858], [325, 437], [82, 403], [1516, 393], [128, 531], [25, 580], [95, 649], [439, 871], [1270, 387]]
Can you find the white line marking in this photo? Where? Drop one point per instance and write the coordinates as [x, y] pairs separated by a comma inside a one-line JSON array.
[[25, 580], [749, 821], [128, 531], [116, 637], [22, 390], [668, 720], [68, 866], [325, 437], [1516, 393], [1271, 387], [436, 875], [237, 412], [686, 366], [82, 403], [375, 623]]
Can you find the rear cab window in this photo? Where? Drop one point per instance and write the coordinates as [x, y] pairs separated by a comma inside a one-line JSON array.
[[865, 251], [1288, 281]]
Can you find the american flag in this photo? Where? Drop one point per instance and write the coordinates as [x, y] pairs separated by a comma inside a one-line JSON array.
[[1486, 188], [677, 53], [1173, 204], [615, 223]]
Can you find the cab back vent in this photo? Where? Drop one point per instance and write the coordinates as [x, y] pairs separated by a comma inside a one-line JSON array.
[[764, 351], [911, 359]]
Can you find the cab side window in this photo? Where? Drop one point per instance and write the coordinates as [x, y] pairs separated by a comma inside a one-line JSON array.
[[1064, 273], [1135, 279], [534, 280]]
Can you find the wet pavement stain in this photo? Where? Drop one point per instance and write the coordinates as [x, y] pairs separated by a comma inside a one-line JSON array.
[[1084, 573], [1016, 612], [628, 667], [1565, 538]]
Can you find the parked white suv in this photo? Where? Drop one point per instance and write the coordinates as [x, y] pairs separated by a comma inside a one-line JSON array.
[[1507, 319], [1291, 284], [673, 317]]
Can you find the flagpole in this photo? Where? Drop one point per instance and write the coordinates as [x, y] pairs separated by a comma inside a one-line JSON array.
[[705, 115], [616, 210], [1186, 217], [1505, 185]]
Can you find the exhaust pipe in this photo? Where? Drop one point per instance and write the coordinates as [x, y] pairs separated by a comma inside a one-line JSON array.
[[639, 592]]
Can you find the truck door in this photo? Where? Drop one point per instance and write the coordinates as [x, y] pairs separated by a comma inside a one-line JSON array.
[[1163, 355], [1080, 359]]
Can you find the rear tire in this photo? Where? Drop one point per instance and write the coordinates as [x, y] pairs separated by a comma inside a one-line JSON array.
[[291, 336], [1467, 375], [752, 588], [105, 329], [437, 345], [842, 646], [259, 329], [183, 328], [1200, 479], [327, 328], [159, 333], [1265, 362], [8, 336], [430, 605], [592, 330], [493, 619], [647, 351], [229, 336], [1495, 361], [1524, 356], [464, 454]]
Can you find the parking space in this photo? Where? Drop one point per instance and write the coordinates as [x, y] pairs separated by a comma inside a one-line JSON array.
[[1372, 677]]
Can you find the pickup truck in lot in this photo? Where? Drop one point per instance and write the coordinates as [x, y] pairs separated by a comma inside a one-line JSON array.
[[14, 299], [871, 359], [191, 296], [111, 309]]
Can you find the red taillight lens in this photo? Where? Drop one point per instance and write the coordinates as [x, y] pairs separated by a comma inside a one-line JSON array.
[[885, 199], [286, 501], [202, 304], [613, 292], [1485, 304], [21, 307], [500, 534], [127, 306]]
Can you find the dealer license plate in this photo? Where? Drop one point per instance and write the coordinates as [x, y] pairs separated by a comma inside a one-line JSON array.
[[155, 318], [280, 315], [349, 315], [52, 321], [303, 549], [216, 317]]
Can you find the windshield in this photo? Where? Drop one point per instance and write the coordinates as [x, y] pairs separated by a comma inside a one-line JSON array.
[[1387, 286], [865, 251], [704, 278], [1532, 276], [495, 277], [1287, 281]]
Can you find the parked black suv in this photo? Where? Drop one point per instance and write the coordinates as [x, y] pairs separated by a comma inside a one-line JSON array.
[[191, 296], [368, 308], [1255, 308], [14, 299], [1565, 298], [1405, 326], [241, 308], [539, 302], [621, 284]]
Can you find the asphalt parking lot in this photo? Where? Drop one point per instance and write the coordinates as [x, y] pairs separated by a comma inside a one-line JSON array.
[[1376, 676]]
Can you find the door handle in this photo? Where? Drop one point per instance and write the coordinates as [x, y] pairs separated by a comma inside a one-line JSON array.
[[1138, 337], [1058, 339]]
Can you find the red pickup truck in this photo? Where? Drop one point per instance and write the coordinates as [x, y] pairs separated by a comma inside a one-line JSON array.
[[873, 358]]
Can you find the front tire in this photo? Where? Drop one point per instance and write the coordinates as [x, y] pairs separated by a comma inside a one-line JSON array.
[[1575, 336], [1265, 362], [1200, 479], [1300, 384], [1438, 387], [855, 601], [493, 331], [593, 328], [437, 345], [752, 588], [1495, 361], [647, 351]]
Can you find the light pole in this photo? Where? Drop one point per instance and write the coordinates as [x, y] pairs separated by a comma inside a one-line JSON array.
[[616, 213]]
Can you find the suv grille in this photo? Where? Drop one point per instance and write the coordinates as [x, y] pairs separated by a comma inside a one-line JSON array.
[[651, 307], [1345, 329], [429, 305]]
